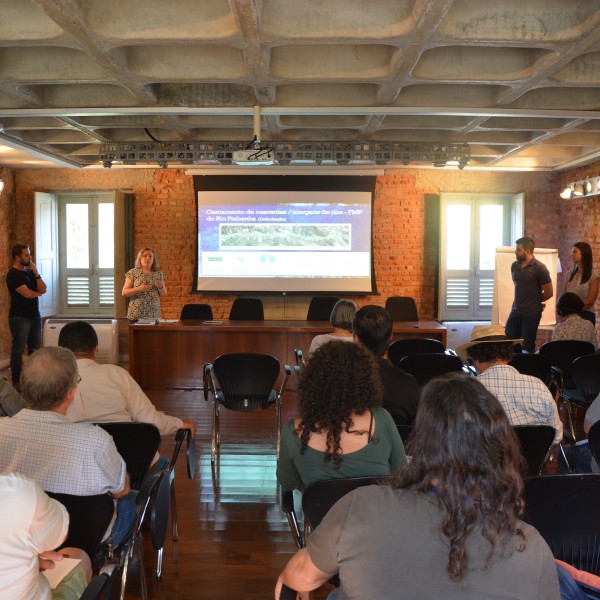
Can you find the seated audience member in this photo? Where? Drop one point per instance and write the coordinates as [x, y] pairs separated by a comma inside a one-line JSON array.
[[526, 400], [32, 526], [11, 402], [591, 416], [372, 328], [573, 327], [341, 321], [107, 393], [448, 527], [342, 431], [62, 457]]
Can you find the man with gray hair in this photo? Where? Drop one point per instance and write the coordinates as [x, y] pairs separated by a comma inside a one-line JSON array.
[[62, 457]]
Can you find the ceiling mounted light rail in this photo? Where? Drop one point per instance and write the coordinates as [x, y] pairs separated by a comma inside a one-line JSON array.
[[316, 153], [581, 189]]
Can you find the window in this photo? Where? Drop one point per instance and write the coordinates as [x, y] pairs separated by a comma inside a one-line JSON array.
[[87, 254]]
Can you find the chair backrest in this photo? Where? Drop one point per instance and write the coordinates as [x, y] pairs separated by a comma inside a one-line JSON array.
[[320, 308], [564, 509], [562, 353], [320, 496], [594, 440], [401, 348], [536, 365], [247, 309], [585, 372], [535, 442], [402, 308], [196, 312], [405, 432], [89, 518], [424, 367], [137, 443], [246, 380]]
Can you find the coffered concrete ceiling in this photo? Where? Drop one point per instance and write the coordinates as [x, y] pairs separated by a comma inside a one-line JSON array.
[[518, 81]]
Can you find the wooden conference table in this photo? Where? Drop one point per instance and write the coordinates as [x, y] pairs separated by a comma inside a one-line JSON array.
[[171, 355]]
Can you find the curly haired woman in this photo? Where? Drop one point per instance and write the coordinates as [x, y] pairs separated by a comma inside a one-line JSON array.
[[449, 524], [342, 430]]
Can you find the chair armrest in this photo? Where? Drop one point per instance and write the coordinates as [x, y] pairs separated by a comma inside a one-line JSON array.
[[207, 382], [299, 357], [97, 584], [287, 507], [287, 372], [180, 436], [287, 593]]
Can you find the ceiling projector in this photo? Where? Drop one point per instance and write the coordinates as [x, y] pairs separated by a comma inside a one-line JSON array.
[[253, 156]]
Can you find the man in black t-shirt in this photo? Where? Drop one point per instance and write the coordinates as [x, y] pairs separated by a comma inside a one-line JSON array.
[[25, 286], [533, 287], [372, 328]]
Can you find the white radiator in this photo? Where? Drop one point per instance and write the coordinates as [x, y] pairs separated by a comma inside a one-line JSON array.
[[108, 336]]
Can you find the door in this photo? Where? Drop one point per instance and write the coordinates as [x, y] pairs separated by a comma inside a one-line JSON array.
[[472, 227], [45, 254], [87, 254]]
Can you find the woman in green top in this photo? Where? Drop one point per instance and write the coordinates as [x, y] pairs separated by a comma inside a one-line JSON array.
[[342, 430]]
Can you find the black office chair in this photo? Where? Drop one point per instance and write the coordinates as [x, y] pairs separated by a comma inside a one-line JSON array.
[[424, 367], [585, 372], [160, 506], [562, 353], [320, 308], [402, 308], [317, 499], [536, 443], [536, 365], [564, 509], [85, 532], [594, 440], [133, 547], [401, 348], [246, 381], [196, 312], [137, 443], [247, 309]]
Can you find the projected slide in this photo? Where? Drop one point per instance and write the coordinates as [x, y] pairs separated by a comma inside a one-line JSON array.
[[276, 241]]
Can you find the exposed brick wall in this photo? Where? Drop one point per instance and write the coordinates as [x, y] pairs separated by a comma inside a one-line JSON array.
[[165, 220], [7, 225], [579, 220]]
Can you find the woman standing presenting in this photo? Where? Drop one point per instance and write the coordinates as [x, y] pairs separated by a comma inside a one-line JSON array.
[[583, 279], [144, 285]]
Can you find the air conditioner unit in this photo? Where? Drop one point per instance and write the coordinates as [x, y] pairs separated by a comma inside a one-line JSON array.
[[106, 329]]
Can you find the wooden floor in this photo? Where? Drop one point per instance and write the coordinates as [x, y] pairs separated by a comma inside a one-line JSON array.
[[233, 538]]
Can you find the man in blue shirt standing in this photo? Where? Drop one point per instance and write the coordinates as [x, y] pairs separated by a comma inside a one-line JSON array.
[[533, 287], [25, 286]]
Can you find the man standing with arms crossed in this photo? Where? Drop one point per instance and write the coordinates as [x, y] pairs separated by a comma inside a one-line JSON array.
[[25, 286], [533, 287]]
